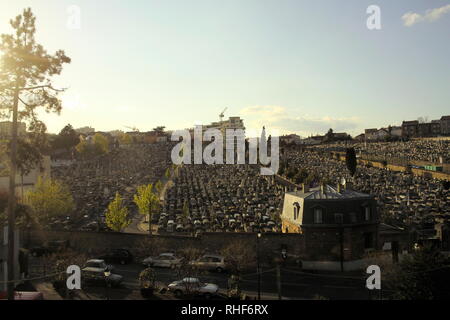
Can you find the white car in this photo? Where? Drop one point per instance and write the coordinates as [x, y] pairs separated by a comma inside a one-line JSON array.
[[164, 260], [97, 265], [210, 262], [193, 286]]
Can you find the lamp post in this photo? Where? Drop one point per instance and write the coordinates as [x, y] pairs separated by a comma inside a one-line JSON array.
[[107, 274], [341, 241], [258, 265]]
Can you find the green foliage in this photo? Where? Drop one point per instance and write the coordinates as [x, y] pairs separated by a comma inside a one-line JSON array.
[[28, 156], [147, 278], [117, 215], [147, 202], [26, 71], [350, 160], [158, 187], [424, 275], [97, 146], [49, 198], [125, 139], [66, 139], [291, 172], [167, 173]]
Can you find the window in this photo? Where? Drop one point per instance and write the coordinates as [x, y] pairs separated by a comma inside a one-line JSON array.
[[338, 218], [353, 217], [368, 240], [296, 210], [367, 213], [318, 215]]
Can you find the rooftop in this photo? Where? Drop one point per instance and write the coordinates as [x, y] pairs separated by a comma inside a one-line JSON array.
[[329, 193]]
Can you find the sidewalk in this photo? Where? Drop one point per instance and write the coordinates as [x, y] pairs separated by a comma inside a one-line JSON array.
[[253, 295], [46, 288]]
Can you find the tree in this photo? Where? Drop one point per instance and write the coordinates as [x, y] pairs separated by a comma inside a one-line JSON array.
[[28, 157], [49, 199], [301, 175], [99, 145], [158, 187], [167, 173], [185, 210], [238, 256], [117, 215], [147, 202], [424, 275], [25, 79], [350, 160], [159, 130], [422, 119], [125, 139], [67, 138], [147, 279], [22, 211], [329, 137]]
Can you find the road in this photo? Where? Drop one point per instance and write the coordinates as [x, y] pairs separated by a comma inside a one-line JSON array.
[[295, 284]]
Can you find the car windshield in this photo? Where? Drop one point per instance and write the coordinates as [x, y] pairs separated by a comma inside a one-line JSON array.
[[93, 264]]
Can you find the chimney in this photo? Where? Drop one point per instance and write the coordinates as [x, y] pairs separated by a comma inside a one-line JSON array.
[[322, 188], [348, 185], [305, 188], [338, 188]]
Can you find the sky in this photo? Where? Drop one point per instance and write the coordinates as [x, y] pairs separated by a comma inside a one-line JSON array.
[[295, 66]]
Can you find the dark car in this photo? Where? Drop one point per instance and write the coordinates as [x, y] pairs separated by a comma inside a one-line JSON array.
[[122, 256], [97, 278], [51, 247]]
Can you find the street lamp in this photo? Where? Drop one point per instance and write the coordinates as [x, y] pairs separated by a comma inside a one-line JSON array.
[[107, 273], [258, 266]]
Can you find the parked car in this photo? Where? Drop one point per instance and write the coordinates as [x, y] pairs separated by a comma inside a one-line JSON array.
[[51, 247], [98, 278], [193, 286], [97, 265], [210, 262], [164, 260], [122, 256]]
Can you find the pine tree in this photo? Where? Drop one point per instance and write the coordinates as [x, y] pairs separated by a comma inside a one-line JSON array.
[[25, 84]]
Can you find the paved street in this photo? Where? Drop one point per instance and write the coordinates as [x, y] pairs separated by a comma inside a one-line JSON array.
[[294, 283]]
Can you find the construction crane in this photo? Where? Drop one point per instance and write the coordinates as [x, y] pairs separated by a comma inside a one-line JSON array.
[[133, 129], [221, 114]]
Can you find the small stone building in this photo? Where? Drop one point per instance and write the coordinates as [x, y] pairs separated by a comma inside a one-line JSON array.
[[340, 226]]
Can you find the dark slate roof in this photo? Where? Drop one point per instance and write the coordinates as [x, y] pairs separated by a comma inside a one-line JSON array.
[[329, 193]]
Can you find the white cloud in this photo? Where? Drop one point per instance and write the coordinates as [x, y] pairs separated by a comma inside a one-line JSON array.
[[435, 14], [411, 18], [278, 118], [267, 111]]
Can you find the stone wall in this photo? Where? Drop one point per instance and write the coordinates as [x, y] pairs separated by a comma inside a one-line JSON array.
[[270, 244]]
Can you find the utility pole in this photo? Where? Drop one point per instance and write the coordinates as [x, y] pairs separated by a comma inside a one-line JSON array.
[[279, 281], [258, 265], [341, 240], [12, 196]]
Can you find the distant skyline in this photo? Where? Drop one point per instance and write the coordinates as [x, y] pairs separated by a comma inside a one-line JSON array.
[[294, 66]]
